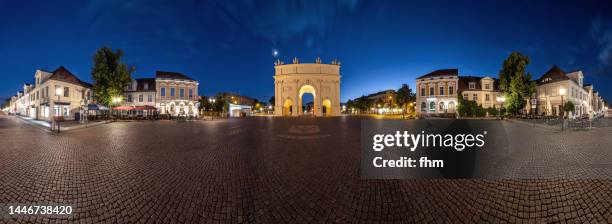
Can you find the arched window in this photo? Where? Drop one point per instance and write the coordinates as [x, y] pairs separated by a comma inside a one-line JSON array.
[[451, 107], [423, 106], [432, 107], [441, 106]]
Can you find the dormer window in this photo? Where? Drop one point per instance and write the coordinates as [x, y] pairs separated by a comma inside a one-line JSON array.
[[146, 86], [487, 86], [472, 85]]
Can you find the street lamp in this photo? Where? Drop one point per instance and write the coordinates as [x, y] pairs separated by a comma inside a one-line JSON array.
[[212, 101], [501, 99], [562, 93], [58, 93]]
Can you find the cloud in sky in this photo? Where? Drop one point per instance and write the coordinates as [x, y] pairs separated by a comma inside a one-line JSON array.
[[601, 32], [279, 21]]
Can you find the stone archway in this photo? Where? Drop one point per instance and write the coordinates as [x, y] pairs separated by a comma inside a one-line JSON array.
[[326, 107], [287, 108], [292, 81], [304, 90]]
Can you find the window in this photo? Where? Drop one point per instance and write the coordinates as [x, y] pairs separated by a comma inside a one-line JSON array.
[[475, 97], [423, 104], [65, 111], [140, 99], [487, 97], [472, 85], [432, 107], [441, 106], [441, 90], [431, 91], [465, 96], [487, 86], [146, 86], [171, 91], [150, 98], [450, 90], [129, 98], [47, 91], [182, 93], [37, 95], [190, 93], [422, 91], [56, 110], [66, 92], [163, 91]]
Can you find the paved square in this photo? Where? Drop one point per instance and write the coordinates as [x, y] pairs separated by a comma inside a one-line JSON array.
[[274, 170]]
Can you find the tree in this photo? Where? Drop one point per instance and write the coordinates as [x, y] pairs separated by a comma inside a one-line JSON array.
[[205, 103], [405, 96], [569, 106], [110, 75], [256, 104], [515, 84], [362, 103], [220, 105], [272, 101], [349, 106]]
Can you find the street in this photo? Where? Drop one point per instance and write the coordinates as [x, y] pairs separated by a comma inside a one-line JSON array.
[[282, 170]]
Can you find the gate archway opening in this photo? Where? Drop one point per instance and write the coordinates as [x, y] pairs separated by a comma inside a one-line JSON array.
[[326, 107], [287, 107], [307, 89]]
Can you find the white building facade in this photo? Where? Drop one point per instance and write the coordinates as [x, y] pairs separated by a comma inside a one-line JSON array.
[[54, 94], [483, 90], [176, 94], [556, 87], [437, 92]]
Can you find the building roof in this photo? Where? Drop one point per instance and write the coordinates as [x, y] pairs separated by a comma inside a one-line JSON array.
[[555, 74], [140, 84], [440, 72], [171, 75], [464, 83], [62, 74]]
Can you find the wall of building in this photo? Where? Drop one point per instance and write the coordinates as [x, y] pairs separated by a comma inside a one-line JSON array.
[[176, 104], [444, 102]]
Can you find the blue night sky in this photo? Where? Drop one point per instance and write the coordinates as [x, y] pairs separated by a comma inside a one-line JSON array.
[[228, 45]]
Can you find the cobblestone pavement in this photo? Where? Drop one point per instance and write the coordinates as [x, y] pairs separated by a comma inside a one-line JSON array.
[[267, 170]]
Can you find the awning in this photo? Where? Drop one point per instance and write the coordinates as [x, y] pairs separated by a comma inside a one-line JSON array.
[[145, 107], [123, 108], [96, 107]]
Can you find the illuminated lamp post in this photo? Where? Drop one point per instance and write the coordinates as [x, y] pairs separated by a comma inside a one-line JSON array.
[[58, 93], [501, 99], [562, 93], [212, 101]]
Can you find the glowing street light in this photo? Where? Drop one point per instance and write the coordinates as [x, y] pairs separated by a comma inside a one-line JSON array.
[[275, 53], [501, 99], [562, 93]]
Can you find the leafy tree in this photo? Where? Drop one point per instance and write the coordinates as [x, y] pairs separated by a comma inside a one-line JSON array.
[[569, 106], [256, 104], [405, 96], [271, 100], [363, 103], [515, 83], [221, 104], [205, 103], [110, 75], [350, 105]]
